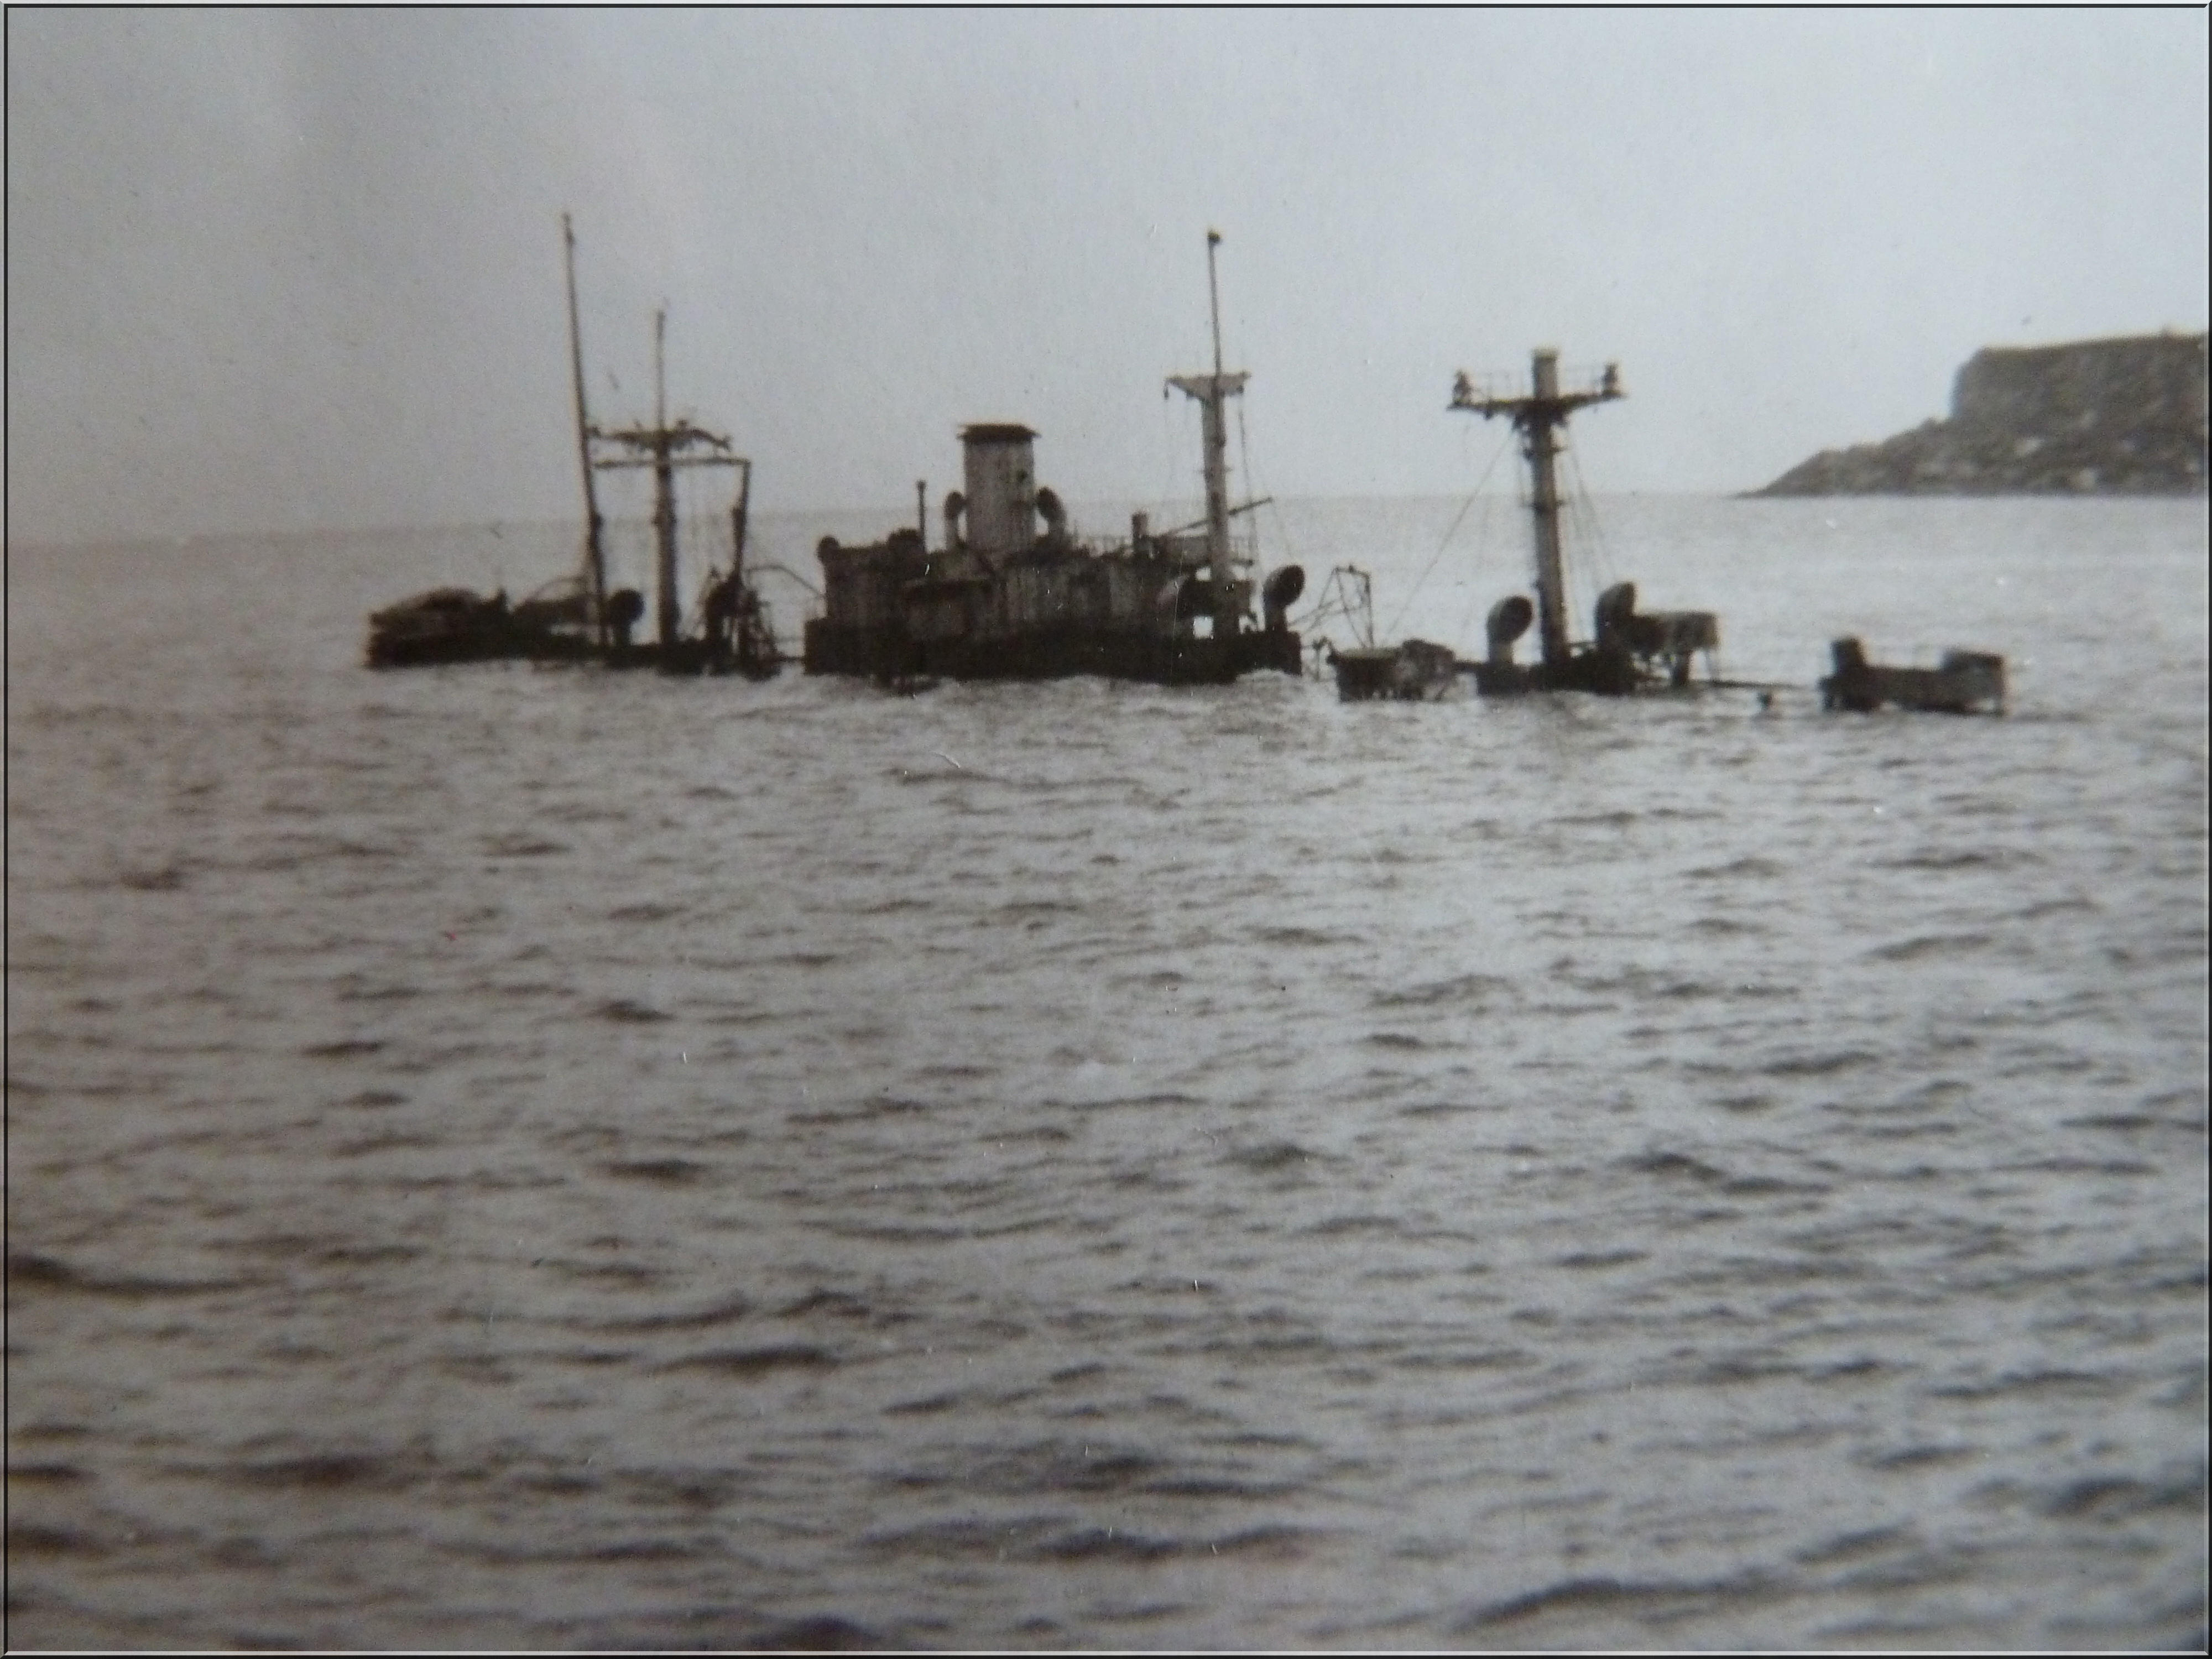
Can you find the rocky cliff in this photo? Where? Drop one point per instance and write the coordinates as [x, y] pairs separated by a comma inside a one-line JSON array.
[[2099, 417]]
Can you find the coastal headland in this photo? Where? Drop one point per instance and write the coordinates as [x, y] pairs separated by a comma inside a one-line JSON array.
[[2120, 417]]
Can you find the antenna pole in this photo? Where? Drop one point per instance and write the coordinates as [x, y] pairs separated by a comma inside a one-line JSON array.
[[1212, 392], [663, 493], [595, 557], [1538, 422], [1213, 293], [738, 516]]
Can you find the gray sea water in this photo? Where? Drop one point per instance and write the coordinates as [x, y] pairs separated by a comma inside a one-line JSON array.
[[539, 1158]]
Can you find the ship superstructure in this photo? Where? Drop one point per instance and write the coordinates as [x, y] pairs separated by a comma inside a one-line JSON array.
[[578, 619], [1632, 650], [1010, 593]]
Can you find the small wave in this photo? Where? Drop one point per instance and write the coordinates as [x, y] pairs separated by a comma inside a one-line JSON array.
[[1481, 1359], [626, 1011], [592, 1357], [2041, 1381], [691, 1319], [1111, 1544], [522, 847], [1337, 1226], [1922, 1456], [369, 1098], [756, 1361], [1745, 1103], [1163, 1098], [1295, 938], [1958, 858], [2136, 1123], [1853, 1546], [667, 1171], [2114, 1496], [1019, 908], [367, 1255], [1269, 1543], [356, 992], [1749, 868], [898, 905], [163, 878], [1275, 1156], [835, 1304], [1442, 1109], [1463, 987], [28, 1270], [27, 1541], [323, 1472], [1678, 1166], [43, 1474], [344, 1048], [643, 1549], [1924, 946], [1821, 1065], [821, 1632], [928, 1405], [1591, 1260], [1615, 1598], [644, 912]]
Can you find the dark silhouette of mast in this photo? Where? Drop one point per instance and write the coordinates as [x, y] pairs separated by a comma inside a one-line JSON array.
[[1540, 415], [1212, 392], [595, 557], [666, 447]]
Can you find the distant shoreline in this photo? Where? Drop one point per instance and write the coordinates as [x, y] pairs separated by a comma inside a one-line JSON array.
[[2095, 417]]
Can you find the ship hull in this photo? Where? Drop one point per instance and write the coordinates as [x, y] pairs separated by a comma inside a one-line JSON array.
[[1050, 653], [1967, 682], [520, 642], [1603, 673], [484, 645], [1415, 671]]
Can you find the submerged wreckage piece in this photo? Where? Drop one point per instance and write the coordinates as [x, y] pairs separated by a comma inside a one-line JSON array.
[[1012, 594], [458, 624], [1963, 682], [1414, 672], [576, 619], [1632, 651]]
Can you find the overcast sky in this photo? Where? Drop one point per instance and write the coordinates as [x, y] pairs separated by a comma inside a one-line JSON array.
[[278, 271]]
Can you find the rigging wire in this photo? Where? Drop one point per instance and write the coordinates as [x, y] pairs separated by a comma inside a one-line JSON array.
[[1588, 532], [1414, 592], [1254, 492], [1251, 478], [1483, 538]]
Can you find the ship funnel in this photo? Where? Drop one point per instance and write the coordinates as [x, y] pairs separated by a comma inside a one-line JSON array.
[[1002, 496]]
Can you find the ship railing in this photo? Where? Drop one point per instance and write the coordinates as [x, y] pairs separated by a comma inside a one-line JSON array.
[[1505, 385]]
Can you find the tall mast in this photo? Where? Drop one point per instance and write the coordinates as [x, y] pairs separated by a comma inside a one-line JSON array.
[[664, 489], [1539, 416], [738, 515], [1212, 392], [595, 557]]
